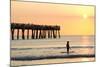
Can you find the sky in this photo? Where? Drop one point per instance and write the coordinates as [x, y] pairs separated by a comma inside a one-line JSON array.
[[73, 19]]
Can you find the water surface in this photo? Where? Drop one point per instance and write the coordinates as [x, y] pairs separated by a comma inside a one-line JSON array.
[[47, 51]]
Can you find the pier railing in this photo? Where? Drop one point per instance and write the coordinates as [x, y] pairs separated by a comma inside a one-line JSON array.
[[37, 31]]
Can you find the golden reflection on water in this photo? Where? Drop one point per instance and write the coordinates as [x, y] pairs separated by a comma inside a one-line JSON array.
[[85, 40]]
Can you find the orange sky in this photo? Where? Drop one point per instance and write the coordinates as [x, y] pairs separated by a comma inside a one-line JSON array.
[[73, 19]]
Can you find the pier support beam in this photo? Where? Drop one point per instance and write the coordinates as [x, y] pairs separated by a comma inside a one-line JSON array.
[[44, 33], [23, 37], [12, 33], [48, 33], [17, 34], [27, 33], [40, 35], [59, 33], [33, 34], [36, 34], [54, 34]]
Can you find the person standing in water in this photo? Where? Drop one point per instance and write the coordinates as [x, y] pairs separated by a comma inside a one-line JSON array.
[[68, 47]]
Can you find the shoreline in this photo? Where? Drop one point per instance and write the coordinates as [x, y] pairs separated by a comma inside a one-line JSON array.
[[51, 57]]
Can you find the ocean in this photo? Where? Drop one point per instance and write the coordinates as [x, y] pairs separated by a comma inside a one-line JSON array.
[[52, 51]]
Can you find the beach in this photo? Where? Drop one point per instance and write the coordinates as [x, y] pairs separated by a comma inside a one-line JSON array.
[[51, 51]]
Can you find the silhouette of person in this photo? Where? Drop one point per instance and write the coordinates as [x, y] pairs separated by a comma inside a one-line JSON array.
[[68, 47]]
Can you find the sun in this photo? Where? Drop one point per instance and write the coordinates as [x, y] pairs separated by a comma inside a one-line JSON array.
[[85, 16]]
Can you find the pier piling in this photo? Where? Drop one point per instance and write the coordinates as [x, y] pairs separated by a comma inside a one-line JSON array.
[[37, 31]]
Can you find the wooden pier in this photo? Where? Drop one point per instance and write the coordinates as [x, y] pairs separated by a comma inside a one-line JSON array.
[[37, 31]]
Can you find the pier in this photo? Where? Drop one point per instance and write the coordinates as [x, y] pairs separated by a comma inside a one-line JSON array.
[[37, 31]]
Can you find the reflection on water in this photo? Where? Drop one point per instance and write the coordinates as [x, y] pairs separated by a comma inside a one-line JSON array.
[[85, 40]]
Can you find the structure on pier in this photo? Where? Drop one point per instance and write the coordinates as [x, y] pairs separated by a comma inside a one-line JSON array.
[[37, 31]]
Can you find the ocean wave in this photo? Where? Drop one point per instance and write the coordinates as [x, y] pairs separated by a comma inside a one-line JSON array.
[[29, 58], [52, 47]]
